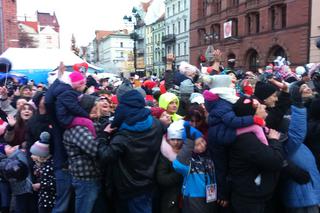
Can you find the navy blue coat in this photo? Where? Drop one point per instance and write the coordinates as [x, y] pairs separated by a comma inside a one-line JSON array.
[[223, 122], [68, 107], [221, 114], [59, 152]]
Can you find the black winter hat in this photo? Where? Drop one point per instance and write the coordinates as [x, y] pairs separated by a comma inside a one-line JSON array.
[[264, 90], [87, 102], [245, 106]]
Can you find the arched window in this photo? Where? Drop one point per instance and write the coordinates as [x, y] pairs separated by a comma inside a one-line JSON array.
[[276, 51], [252, 60]]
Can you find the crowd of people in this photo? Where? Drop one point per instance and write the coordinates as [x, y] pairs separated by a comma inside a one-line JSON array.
[[213, 141]]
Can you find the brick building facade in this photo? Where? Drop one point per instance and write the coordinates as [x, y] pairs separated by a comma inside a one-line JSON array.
[[261, 30], [8, 24]]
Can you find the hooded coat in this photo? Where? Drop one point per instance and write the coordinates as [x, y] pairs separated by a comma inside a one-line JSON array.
[[164, 102]]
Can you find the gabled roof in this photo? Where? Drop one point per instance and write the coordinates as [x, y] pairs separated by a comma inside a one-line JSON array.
[[46, 19], [32, 24], [100, 34]]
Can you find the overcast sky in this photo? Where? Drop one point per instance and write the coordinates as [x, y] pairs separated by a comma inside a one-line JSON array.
[[81, 17]]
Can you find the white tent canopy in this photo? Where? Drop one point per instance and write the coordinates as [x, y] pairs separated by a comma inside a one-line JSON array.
[[37, 58]]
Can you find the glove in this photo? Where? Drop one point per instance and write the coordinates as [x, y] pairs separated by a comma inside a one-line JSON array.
[[259, 121], [295, 94], [296, 173]]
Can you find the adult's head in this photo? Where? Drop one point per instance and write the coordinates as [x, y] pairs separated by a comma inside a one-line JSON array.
[[38, 99], [20, 102], [249, 106], [196, 116], [266, 93], [26, 91], [25, 113], [188, 70], [169, 102], [89, 104]]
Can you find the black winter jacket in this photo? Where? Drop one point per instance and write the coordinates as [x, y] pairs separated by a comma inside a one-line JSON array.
[[135, 156], [249, 158], [170, 183]]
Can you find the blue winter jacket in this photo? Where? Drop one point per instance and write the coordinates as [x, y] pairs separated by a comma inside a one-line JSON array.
[[223, 122], [296, 195]]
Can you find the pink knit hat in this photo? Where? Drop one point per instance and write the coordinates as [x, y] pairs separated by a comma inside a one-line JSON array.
[[77, 79]]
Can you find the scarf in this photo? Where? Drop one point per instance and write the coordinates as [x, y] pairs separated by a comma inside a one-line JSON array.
[[226, 93]]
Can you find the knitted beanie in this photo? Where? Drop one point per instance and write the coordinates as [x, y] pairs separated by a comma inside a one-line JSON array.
[[217, 81], [77, 79], [156, 112], [175, 130], [123, 88], [264, 90], [196, 98], [87, 102], [186, 87], [41, 147], [245, 106]]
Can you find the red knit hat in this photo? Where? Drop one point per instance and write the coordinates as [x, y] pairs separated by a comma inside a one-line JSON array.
[[77, 79], [157, 112]]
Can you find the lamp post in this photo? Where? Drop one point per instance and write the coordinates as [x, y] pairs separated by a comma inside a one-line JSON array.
[[134, 19]]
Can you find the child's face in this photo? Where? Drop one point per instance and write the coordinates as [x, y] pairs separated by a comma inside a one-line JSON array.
[[38, 160], [176, 144], [165, 118], [200, 146]]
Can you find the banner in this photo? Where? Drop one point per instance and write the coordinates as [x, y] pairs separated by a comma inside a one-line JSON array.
[[227, 29]]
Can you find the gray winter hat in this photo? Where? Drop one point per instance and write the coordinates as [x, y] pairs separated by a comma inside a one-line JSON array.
[[123, 88], [186, 87]]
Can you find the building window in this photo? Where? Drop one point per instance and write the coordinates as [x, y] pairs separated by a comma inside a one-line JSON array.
[[121, 54], [201, 35], [216, 32], [234, 27], [248, 24], [185, 48], [168, 29], [178, 26], [121, 44], [257, 19], [185, 4], [233, 3], [278, 16], [168, 11], [185, 25], [179, 6], [173, 28], [173, 9], [283, 16], [273, 17], [178, 53]]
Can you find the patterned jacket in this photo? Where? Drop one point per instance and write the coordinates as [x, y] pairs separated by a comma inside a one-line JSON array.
[[82, 150]]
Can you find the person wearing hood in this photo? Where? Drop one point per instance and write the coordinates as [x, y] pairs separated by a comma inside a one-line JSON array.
[[135, 150], [300, 197], [170, 102]]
